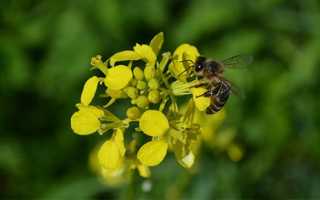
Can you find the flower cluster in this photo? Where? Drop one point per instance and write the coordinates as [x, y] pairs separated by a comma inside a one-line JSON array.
[[165, 112]]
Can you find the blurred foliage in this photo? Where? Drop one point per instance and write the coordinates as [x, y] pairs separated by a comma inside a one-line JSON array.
[[45, 49]]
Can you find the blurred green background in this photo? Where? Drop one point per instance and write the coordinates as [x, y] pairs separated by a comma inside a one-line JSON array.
[[45, 50]]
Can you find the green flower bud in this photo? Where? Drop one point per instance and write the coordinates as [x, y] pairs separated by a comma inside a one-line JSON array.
[[153, 84], [133, 113], [141, 85], [138, 73], [149, 72], [142, 101], [133, 82], [132, 92], [154, 96]]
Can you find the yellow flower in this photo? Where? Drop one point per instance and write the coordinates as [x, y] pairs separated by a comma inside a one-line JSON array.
[[86, 120], [201, 102], [118, 77], [185, 53], [153, 123], [152, 153], [146, 53], [89, 90], [110, 156]]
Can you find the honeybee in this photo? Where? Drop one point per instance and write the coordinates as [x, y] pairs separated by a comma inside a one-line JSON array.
[[218, 88]]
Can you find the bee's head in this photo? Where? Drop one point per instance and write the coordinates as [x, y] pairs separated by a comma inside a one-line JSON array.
[[199, 64]]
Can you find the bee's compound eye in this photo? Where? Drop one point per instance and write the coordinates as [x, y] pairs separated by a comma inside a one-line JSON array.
[[198, 67]]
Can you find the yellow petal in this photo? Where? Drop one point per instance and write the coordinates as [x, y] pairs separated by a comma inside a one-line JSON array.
[[85, 122], [152, 153], [119, 140], [109, 155], [153, 123], [118, 77], [144, 171], [145, 52], [156, 42], [189, 51], [89, 90], [201, 102], [96, 111], [123, 56], [184, 52], [177, 69]]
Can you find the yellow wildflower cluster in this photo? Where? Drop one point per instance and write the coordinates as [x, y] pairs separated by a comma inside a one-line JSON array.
[[154, 123]]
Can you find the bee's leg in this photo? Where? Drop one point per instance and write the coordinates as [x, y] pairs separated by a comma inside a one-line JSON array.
[[211, 91], [210, 110], [200, 85]]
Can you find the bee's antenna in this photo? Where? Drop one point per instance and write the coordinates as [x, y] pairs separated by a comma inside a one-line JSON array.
[[186, 68], [186, 61]]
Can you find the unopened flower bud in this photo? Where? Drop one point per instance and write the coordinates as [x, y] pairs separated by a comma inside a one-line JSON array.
[[138, 73], [149, 72], [141, 85], [133, 82], [154, 96], [133, 113], [132, 92], [153, 84], [142, 101]]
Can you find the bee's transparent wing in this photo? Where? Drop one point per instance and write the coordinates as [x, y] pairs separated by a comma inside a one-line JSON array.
[[238, 61]]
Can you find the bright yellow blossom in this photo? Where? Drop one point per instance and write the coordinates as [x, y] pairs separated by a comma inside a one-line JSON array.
[[151, 90], [152, 153], [86, 120], [153, 123], [118, 77], [183, 56]]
